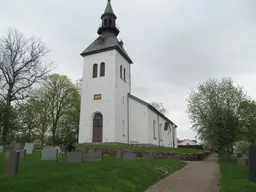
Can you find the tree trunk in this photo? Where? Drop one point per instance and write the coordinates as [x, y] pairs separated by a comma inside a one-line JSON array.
[[6, 122], [42, 139], [54, 128]]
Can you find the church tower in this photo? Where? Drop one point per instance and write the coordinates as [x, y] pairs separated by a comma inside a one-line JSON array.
[[105, 86]]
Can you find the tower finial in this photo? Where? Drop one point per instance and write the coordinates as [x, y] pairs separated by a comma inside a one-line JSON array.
[[108, 20]]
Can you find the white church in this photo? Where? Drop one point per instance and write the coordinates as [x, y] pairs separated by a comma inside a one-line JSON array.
[[109, 112]]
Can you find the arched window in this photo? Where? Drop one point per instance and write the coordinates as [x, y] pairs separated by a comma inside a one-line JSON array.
[[154, 129], [95, 70], [102, 69], [109, 22], [121, 71], [124, 74], [123, 128], [105, 21]]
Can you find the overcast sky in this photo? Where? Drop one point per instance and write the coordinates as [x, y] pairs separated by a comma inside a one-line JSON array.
[[174, 44]]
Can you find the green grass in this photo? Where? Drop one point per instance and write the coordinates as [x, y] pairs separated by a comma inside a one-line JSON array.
[[234, 178], [164, 149], [111, 175]]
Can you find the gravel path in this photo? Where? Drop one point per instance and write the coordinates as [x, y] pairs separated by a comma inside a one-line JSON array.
[[196, 176]]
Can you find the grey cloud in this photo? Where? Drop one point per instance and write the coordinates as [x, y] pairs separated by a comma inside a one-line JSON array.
[[174, 43]]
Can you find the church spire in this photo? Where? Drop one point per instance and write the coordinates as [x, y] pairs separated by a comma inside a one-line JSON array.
[[108, 21], [109, 8]]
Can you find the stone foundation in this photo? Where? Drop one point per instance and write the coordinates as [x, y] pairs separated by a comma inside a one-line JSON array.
[[159, 154], [123, 144]]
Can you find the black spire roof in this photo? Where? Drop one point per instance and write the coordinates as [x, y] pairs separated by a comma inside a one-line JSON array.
[[109, 9], [108, 32]]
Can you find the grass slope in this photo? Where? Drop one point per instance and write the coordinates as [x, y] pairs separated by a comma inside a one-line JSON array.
[[163, 149], [111, 175], [234, 178]]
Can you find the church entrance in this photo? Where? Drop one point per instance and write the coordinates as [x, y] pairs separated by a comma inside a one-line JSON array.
[[97, 128]]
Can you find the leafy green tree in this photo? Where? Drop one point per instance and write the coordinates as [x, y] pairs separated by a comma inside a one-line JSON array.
[[70, 122], [248, 116], [28, 119], [59, 92], [214, 111]]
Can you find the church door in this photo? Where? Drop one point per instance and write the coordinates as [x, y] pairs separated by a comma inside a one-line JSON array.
[[97, 128]]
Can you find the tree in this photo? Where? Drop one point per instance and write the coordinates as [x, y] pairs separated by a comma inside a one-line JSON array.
[[59, 92], [44, 116], [160, 107], [70, 122], [28, 119], [248, 116], [214, 111], [22, 64]]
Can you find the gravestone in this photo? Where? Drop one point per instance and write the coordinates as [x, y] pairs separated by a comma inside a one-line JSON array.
[[85, 156], [23, 154], [1, 148], [11, 162], [75, 157], [241, 161], [49, 154], [29, 147], [119, 154], [252, 163], [129, 156], [148, 157], [93, 155]]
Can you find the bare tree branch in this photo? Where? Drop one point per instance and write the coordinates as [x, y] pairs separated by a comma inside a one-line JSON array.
[[23, 63]]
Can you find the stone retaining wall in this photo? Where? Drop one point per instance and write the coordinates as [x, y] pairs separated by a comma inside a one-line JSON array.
[[159, 155]]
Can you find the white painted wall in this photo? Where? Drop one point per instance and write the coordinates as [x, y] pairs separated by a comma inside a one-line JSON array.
[[122, 88], [100, 85], [175, 137], [115, 104], [138, 122], [163, 138], [168, 137]]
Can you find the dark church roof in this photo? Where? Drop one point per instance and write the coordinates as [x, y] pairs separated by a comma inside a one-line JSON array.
[[109, 8], [108, 32], [105, 42], [151, 108]]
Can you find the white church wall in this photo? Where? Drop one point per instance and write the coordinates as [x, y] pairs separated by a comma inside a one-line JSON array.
[[175, 137], [100, 85], [153, 127], [168, 137], [138, 122], [122, 88], [160, 137]]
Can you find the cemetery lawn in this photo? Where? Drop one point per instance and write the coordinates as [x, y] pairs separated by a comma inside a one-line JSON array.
[[163, 149], [234, 178], [111, 175]]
